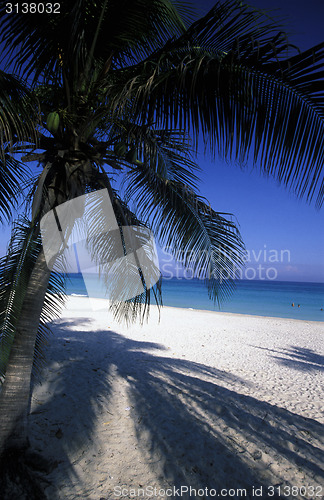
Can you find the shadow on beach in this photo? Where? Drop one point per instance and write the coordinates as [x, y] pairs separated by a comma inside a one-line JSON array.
[[298, 358], [189, 428]]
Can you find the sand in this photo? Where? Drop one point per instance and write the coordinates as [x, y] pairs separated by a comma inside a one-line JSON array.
[[228, 405]]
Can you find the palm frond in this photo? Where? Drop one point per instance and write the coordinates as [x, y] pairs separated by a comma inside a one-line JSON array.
[[202, 239], [18, 116], [230, 24], [15, 271], [229, 80], [13, 174], [168, 151], [18, 121]]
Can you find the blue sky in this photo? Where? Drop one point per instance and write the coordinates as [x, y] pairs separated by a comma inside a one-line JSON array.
[[270, 217], [272, 221]]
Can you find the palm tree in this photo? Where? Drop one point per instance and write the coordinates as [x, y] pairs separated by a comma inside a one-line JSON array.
[[109, 93]]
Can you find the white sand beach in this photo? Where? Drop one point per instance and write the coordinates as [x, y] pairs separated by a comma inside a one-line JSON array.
[[213, 401]]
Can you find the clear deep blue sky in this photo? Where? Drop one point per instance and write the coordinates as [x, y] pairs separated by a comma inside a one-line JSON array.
[[271, 219]]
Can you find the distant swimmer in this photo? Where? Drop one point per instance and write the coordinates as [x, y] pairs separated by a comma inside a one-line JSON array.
[[293, 304], [298, 305]]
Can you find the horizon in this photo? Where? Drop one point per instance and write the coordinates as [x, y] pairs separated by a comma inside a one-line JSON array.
[[184, 278]]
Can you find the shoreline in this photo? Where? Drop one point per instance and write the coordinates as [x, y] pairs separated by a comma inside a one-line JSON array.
[[208, 310]]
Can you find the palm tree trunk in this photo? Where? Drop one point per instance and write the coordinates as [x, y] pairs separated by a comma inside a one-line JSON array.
[[15, 392]]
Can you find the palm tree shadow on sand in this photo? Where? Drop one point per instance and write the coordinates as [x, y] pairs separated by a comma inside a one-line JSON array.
[[188, 429], [298, 358]]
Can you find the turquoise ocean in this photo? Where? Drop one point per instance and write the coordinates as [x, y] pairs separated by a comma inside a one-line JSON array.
[[261, 298]]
